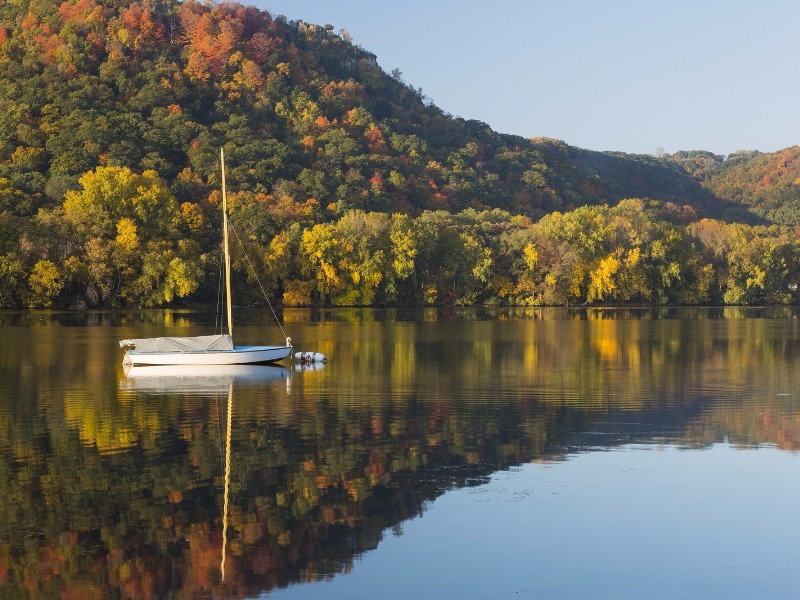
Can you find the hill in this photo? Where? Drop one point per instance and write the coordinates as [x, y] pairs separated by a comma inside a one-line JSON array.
[[305, 113], [767, 183], [348, 186]]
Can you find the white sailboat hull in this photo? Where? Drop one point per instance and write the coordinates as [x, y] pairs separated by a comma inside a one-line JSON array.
[[240, 355]]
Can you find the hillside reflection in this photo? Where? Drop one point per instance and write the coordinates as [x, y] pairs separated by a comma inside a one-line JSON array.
[[113, 481]]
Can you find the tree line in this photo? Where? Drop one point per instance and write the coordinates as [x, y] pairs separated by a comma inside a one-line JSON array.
[[122, 239]]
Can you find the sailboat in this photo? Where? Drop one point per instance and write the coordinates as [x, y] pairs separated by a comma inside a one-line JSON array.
[[204, 349]]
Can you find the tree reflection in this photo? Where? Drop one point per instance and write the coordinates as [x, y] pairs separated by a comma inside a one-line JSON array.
[[116, 487]]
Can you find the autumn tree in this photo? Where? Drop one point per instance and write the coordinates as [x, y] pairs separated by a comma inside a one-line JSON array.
[[129, 224], [44, 282]]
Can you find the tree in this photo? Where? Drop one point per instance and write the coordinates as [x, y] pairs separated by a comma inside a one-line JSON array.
[[350, 258], [11, 277], [110, 194], [166, 275], [45, 283], [562, 274], [403, 253], [631, 281], [366, 246], [132, 252], [602, 283], [453, 261], [12, 200], [323, 252]]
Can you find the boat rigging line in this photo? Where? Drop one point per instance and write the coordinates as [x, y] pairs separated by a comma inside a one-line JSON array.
[[261, 287]]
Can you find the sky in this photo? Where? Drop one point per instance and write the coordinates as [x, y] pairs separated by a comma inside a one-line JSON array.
[[635, 76]]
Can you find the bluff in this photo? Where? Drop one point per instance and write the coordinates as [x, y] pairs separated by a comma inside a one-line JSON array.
[[304, 113], [348, 186]]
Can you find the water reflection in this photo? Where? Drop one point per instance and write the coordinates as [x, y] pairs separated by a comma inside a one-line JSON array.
[[195, 318], [227, 484], [161, 379], [145, 482]]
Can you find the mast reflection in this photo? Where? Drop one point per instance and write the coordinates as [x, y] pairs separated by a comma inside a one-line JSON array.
[[226, 497]]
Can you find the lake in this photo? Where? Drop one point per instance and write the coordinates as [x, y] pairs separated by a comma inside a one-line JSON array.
[[458, 453]]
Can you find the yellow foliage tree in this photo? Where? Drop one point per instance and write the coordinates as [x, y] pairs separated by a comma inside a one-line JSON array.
[[322, 250], [110, 194], [404, 246], [127, 238], [601, 279], [44, 283]]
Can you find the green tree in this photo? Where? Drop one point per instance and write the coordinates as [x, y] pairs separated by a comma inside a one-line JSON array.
[[453, 261], [12, 274], [165, 275]]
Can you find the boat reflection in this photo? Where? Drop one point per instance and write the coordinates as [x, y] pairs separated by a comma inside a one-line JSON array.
[[304, 366], [197, 378]]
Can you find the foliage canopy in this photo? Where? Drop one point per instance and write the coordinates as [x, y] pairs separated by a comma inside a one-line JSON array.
[[112, 114]]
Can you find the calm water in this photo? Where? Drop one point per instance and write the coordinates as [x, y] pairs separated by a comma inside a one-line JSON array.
[[464, 454]]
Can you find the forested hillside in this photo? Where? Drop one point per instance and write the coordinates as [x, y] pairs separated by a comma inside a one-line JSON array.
[[347, 186], [769, 184]]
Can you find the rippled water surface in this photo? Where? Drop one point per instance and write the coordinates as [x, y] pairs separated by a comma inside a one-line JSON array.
[[439, 453]]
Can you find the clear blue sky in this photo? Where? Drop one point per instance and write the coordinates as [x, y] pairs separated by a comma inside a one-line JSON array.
[[627, 75]]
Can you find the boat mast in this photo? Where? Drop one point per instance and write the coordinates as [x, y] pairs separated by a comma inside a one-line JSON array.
[[225, 245]]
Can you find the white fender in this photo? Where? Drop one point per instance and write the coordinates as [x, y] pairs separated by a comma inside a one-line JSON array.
[[309, 357]]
